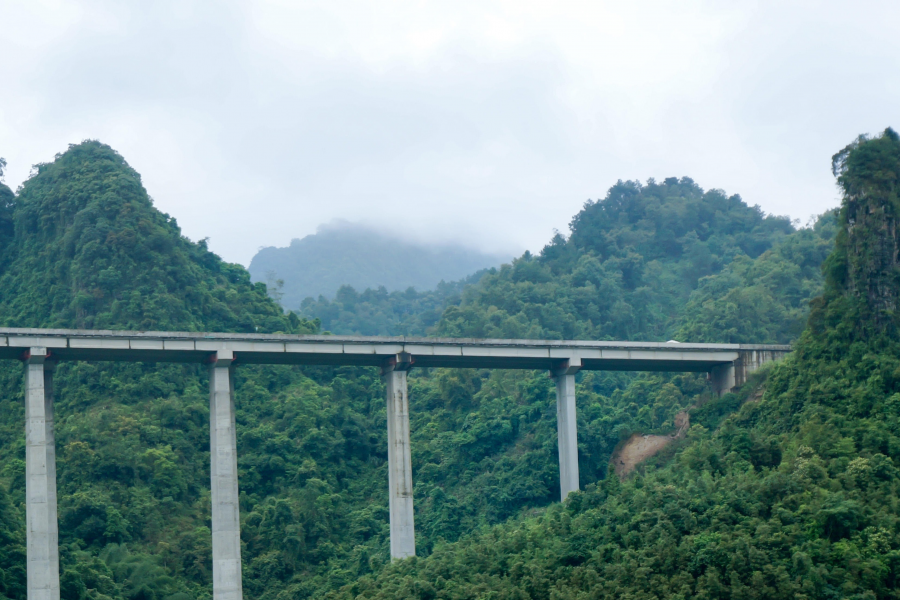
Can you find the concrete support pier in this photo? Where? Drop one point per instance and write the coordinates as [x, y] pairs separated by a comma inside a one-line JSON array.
[[567, 425], [226, 524], [403, 535], [40, 478], [722, 378]]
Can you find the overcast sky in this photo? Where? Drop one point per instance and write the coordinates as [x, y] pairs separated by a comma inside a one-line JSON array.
[[486, 122]]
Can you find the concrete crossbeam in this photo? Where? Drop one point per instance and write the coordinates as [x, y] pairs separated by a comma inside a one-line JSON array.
[[42, 537], [226, 524]]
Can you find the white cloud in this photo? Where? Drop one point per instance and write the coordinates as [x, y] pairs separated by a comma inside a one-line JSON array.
[[485, 122]]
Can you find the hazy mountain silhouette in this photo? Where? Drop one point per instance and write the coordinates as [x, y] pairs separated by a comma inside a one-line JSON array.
[[343, 253]]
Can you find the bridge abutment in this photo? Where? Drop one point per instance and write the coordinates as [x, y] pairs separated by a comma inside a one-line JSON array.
[[730, 376]]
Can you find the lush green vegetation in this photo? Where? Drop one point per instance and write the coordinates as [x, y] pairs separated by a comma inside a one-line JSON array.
[[89, 250], [647, 262], [343, 253], [764, 300], [629, 265], [379, 312], [796, 495]]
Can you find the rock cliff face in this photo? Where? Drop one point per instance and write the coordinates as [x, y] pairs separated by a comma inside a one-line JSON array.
[[866, 264]]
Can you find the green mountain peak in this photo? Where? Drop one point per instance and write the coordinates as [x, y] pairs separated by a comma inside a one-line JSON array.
[[89, 250]]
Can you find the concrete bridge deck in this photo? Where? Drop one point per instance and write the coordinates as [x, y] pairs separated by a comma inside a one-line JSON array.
[[187, 347]]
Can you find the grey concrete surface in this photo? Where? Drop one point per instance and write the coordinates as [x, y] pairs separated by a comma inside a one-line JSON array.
[[751, 360], [226, 524], [567, 426], [42, 537], [403, 536], [722, 377], [373, 351]]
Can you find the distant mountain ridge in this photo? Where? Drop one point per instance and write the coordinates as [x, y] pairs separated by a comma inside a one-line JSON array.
[[344, 253]]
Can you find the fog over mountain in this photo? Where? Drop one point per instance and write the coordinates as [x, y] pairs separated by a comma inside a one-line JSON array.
[[344, 253], [256, 121]]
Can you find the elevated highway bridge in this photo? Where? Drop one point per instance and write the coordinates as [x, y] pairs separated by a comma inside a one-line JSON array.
[[728, 366]]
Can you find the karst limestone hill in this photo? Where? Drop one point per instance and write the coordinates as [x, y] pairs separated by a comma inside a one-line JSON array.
[[88, 249], [83, 246]]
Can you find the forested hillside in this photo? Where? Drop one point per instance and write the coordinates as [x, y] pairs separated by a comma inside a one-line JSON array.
[[793, 496], [379, 312], [83, 246], [87, 249]]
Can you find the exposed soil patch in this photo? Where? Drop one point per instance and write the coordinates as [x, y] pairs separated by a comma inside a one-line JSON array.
[[640, 447]]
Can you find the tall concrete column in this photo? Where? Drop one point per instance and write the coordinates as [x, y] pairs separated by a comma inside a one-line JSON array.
[[42, 536], [226, 524], [567, 425], [403, 535]]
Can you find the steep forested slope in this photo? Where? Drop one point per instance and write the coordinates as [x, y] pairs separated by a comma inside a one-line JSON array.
[[796, 495], [90, 250], [763, 300]]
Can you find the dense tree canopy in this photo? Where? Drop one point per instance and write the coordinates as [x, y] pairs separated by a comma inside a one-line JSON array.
[[379, 312], [625, 272], [629, 265], [765, 300], [89, 250]]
